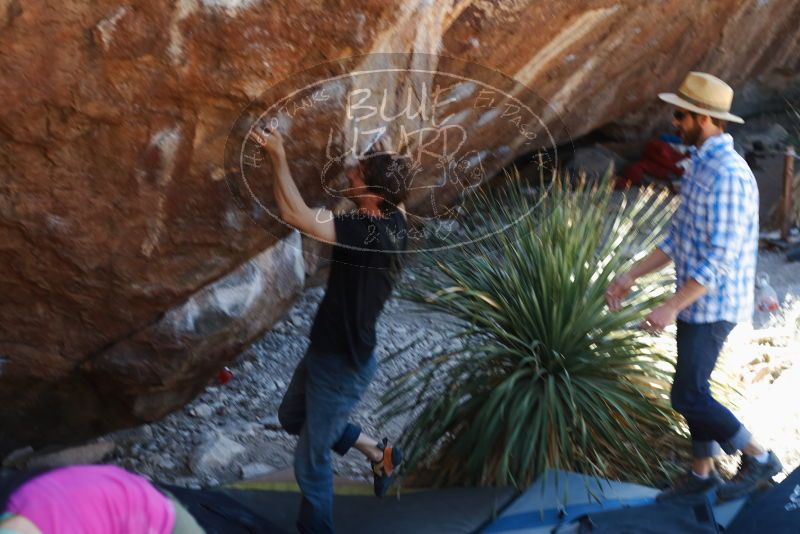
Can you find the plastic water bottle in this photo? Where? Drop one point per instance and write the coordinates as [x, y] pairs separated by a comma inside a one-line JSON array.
[[766, 298]]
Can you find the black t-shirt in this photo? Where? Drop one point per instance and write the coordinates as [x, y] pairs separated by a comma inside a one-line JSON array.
[[365, 264]]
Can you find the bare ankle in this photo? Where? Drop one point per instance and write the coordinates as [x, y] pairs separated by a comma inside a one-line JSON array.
[[369, 448], [374, 455], [703, 466], [754, 449]]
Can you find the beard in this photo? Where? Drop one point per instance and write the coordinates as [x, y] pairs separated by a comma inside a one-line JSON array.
[[691, 136]]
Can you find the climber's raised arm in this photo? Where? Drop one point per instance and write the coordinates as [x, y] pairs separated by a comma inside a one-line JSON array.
[[316, 222]]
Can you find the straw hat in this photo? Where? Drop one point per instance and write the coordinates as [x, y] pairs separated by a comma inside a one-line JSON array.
[[704, 94]]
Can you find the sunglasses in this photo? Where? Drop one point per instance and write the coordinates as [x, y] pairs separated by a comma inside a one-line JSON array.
[[680, 114]]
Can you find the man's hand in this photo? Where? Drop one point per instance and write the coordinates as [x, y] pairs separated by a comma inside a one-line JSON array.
[[660, 318], [270, 139], [618, 290]]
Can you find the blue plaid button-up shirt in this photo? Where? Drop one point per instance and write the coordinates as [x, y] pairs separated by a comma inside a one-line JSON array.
[[713, 237]]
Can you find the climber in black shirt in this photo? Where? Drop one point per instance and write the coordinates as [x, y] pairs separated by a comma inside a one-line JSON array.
[[340, 362]]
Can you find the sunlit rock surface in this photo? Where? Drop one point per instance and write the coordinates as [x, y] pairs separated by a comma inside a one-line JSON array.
[[129, 272]]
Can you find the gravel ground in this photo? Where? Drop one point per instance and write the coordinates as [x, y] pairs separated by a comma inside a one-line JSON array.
[[191, 447], [244, 410]]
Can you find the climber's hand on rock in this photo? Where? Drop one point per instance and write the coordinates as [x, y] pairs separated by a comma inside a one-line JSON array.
[[384, 144], [269, 138]]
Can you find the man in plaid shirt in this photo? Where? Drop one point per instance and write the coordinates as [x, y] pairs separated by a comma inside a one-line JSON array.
[[713, 241]]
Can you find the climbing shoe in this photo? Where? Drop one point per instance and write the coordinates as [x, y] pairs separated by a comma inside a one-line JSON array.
[[384, 471]]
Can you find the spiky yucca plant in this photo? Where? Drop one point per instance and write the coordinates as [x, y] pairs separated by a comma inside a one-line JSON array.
[[547, 376]]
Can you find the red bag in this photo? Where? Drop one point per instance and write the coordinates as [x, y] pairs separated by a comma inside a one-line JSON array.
[[659, 161]]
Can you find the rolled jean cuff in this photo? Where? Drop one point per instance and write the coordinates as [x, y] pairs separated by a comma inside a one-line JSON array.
[[738, 441], [348, 439], [705, 449]]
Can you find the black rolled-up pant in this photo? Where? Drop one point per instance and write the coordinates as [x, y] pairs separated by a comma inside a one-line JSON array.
[[711, 425]]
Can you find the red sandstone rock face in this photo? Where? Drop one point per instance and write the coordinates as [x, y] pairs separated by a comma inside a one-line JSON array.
[[116, 219]]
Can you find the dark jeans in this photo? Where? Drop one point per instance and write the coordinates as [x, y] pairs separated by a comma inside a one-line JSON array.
[[324, 390], [711, 424]]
